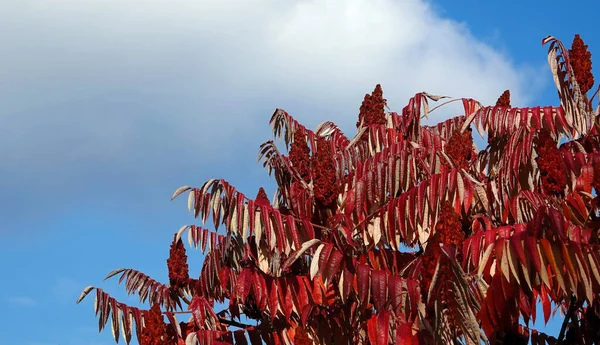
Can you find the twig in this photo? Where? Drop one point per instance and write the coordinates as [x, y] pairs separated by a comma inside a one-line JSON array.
[[443, 104]]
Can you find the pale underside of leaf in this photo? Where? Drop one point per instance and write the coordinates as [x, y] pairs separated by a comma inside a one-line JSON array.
[[179, 191], [85, 292], [314, 264]]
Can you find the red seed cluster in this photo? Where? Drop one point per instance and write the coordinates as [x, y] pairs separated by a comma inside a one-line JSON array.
[[261, 197], [448, 230], [154, 331], [301, 336], [429, 261], [551, 165], [177, 264], [449, 227], [581, 62], [504, 100], [372, 110], [300, 155], [460, 148], [325, 184]]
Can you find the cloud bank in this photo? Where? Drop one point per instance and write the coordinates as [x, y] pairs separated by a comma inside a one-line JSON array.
[[114, 99]]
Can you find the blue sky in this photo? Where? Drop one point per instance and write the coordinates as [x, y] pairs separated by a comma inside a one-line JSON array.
[[106, 107]]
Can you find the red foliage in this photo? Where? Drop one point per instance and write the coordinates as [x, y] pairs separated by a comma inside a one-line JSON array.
[[177, 264], [596, 182], [504, 99], [325, 184], [581, 62], [551, 165], [372, 109], [300, 155], [336, 260], [460, 148], [449, 227]]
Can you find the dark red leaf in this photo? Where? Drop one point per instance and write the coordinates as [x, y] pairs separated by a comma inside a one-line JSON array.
[[333, 265], [404, 335], [383, 324], [240, 337], [379, 287], [363, 282], [372, 330]]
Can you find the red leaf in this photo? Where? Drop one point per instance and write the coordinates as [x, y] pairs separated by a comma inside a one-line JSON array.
[[197, 311], [273, 298], [288, 303], [310, 231], [204, 239], [137, 317], [333, 265], [244, 283], [545, 303], [476, 248], [105, 310], [383, 325], [324, 256], [395, 293], [251, 216], [300, 294], [348, 282], [317, 291], [306, 311], [404, 335], [362, 280], [558, 224], [349, 203], [279, 231], [370, 197], [531, 244], [516, 245], [360, 197], [260, 290], [115, 319], [379, 287], [126, 323], [294, 231], [372, 330], [240, 212], [413, 295]]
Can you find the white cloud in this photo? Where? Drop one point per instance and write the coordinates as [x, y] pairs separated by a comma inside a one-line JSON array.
[[22, 301], [327, 52], [121, 88]]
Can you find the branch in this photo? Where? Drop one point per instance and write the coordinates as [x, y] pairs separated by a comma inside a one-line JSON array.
[[221, 320], [572, 308], [234, 323]]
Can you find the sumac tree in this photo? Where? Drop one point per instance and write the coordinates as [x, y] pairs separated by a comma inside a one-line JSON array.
[[405, 234]]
